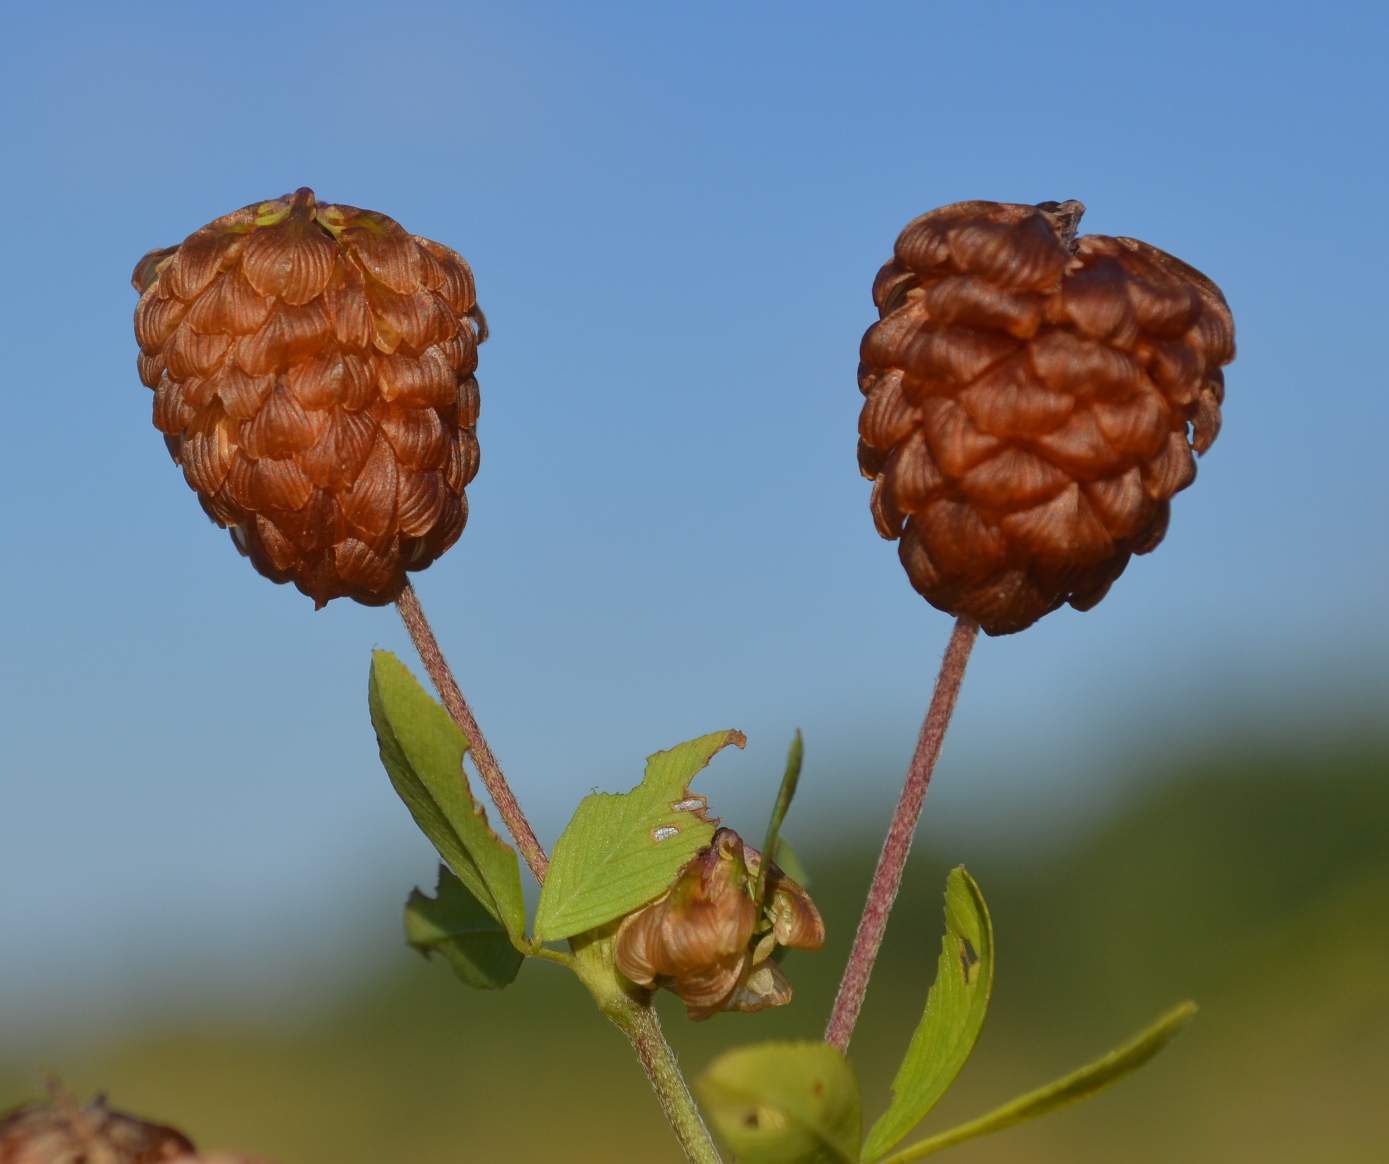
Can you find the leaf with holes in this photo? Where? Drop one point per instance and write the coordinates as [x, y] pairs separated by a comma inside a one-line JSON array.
[[422, 751], [455, 924], [785, 1103], [955, 1010], [623, 850]]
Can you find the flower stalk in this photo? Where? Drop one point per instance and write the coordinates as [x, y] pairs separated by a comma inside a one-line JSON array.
[[888, 876], [422, 635]]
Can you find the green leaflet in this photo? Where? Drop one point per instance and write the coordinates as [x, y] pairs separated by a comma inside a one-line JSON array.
[[455, 924], [779, 809], [1071, 1089], [422, 750], [784, 1103], [622, 850], [955, 1010]]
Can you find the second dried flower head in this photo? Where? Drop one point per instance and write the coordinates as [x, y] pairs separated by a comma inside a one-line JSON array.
[[312, 368], [1034, 401]]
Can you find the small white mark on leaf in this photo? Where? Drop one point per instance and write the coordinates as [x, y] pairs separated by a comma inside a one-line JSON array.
[[663, 833], [694, 804]]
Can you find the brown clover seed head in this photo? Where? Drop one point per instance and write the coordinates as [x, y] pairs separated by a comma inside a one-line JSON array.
[[1034, 399], [312, 368], [710, 942], [61, 1132]]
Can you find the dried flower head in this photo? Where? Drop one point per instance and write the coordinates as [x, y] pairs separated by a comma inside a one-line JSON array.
[[1034, 400], [312, 368], [62, 1132], [710, 942]]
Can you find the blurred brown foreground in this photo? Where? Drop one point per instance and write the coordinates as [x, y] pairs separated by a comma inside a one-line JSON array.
[[1258, 886]]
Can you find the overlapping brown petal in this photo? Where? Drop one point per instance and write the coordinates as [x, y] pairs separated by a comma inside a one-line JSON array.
[[312, 368], [1033, 403], [710, 942]]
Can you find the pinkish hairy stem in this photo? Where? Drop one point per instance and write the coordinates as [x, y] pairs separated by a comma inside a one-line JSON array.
[[412, 615], [888, 876]]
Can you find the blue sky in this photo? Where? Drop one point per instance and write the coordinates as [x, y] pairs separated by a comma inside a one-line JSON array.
[[674, 214]]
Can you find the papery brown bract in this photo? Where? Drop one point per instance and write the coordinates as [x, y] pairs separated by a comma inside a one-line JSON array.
[[710, 942], [795, 921], [696, 936], [312, 368], [61, 1132], [1033, 403]]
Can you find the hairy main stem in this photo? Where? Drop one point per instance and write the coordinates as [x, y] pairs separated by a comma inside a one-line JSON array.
[[888, 876], [639, 1023], [643, 1028], [593, 963], [412, 615]]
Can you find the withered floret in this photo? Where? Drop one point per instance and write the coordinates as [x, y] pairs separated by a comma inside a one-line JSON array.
[[62, 1132], [710, 942], [312, 368], [1033, 403]]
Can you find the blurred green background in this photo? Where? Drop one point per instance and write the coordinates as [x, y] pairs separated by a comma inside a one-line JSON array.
[[1255, 883]]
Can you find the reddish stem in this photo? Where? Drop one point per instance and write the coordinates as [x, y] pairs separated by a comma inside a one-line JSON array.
[[888, 877], [412, 615]]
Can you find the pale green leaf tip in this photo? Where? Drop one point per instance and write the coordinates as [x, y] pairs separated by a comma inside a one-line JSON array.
[[1176, 1019]]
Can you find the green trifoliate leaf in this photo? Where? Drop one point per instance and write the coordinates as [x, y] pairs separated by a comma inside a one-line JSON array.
[[1071, 1089], [955, 1011], [455, 924], [785, 1103], [422, 750], [623, 850]]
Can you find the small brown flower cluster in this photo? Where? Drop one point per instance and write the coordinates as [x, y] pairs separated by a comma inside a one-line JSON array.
[[1033, 402], [312, 368], [61, 1132], [711, 942]]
